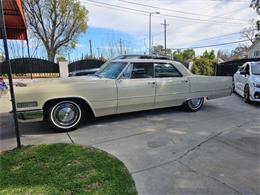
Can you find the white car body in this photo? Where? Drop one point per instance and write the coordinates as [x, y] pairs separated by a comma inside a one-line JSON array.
[[246, 77]]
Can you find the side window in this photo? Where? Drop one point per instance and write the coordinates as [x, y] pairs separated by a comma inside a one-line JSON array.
[[142, 70], [247, 69], [242, 69], [128, 72], [166, 70]]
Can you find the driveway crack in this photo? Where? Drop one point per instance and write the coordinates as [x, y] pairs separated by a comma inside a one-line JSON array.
[[180, 157], [211, 177], [187, 152], [70, 138]]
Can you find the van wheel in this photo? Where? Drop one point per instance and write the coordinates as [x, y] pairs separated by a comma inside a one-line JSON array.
[[193, 105], [246, 97], [64, 115]]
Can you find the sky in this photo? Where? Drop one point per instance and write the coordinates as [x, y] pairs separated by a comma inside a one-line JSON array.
[[197, 22], [191, 23]]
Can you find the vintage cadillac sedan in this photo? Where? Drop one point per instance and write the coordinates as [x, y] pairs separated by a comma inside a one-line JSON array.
[[120, 86]]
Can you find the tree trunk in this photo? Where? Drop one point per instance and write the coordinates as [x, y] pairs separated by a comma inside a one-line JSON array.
[[51, 55]]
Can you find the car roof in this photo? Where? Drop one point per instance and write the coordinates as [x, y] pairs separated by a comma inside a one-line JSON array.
[[177, 64], [140, 56], [144, 60]]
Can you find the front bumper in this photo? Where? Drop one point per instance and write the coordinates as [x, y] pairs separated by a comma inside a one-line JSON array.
[[255, 94], [30, 116]]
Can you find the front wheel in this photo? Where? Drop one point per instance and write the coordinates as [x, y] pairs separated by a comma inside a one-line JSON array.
[[65, 115], [193, 105], [246, 97]]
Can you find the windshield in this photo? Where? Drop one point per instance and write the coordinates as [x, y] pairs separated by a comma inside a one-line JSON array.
[[256, 69], [111, 70]]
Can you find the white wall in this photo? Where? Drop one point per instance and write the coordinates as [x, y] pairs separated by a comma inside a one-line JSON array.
[[64, 69], [254, 51]]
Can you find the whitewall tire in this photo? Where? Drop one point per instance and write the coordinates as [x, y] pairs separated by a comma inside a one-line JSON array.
[[193, 105], [65, 115]]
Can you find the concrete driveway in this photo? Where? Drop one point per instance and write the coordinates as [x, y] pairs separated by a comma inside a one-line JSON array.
[[168, 151]]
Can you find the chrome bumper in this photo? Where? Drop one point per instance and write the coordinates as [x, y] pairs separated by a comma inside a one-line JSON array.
[[30, 116]]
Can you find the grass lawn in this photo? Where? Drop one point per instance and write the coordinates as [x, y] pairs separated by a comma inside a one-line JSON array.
[[62, 169]]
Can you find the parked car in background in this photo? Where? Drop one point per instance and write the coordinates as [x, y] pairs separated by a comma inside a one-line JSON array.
[[83, 72], [120, 86], [247, 81]]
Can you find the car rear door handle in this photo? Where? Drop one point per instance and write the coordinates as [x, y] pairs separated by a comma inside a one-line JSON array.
[[151, 83], [184, 81]]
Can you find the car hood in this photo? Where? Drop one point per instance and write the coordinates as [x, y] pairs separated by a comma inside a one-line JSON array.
[[57, 84], [55, 81], [255, 78]]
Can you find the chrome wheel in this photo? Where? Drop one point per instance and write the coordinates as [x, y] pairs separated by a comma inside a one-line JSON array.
[[194, 104], [66, 115]]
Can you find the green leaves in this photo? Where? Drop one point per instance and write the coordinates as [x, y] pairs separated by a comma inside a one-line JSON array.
[[204, 65]]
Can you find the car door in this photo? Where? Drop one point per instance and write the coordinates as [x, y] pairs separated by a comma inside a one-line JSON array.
[[244, 77], [136, 88], [238, 79], [172, 88]]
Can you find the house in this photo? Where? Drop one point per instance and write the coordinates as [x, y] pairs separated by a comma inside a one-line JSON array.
[[254, 50]]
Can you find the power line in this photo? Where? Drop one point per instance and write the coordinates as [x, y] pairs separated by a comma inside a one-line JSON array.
[[165, 15], [205, 46], [119, 9], [231, 1], [178, 11]]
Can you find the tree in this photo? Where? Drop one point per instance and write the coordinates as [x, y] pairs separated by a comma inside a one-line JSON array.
[[205, 64], [209, 55], [188, 54], [238, 51], [57, 23], [255, 4], [159, 50], [250, 32], [223, 54]]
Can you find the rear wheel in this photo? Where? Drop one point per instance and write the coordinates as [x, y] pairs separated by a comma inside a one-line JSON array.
[[64, 115], [193, 105], [246, 97]]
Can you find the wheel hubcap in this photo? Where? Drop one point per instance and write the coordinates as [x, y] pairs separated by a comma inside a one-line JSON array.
[[195, 103], [66, 114]]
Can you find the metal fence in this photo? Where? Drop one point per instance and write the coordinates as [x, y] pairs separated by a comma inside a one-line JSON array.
[[85, 64], [30, 65], [229, 68]]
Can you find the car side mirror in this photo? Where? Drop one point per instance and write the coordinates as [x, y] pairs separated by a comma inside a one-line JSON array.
[[243, 73]]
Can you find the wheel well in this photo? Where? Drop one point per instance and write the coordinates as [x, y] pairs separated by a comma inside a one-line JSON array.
[[81, 101]]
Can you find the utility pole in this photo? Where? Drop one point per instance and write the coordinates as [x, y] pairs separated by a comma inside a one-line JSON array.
[[90, 48], [150, 30], [120, 45], [165, 38]]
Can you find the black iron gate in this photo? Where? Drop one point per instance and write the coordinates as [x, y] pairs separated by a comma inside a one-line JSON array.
[[229, 68], [30, 65]]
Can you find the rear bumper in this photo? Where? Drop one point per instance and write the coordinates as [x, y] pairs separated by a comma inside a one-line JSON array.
[[30, 116]]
